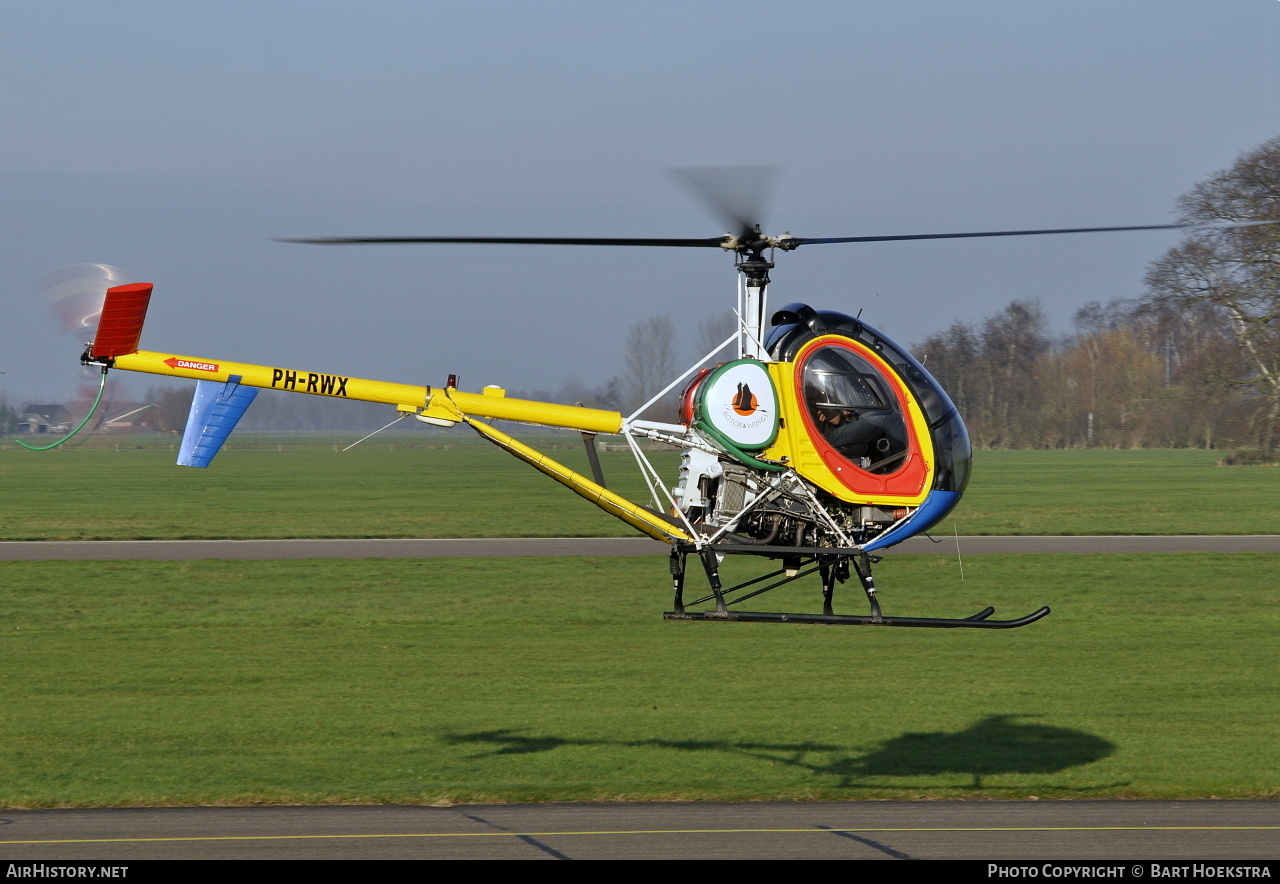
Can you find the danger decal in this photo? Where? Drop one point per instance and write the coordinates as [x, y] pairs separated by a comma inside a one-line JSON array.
[[175, 362]]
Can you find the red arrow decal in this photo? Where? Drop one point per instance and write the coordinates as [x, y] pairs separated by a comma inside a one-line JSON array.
[[175, 362]]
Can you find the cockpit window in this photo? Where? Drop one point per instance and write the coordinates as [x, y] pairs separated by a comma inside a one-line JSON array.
[[833, 381], [797, 324], [854, 410]]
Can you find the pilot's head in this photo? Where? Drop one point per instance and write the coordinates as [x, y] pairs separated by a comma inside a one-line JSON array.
[[833, 414]]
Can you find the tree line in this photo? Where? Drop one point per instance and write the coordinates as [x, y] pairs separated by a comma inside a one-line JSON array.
[[1134, 374], [1193, 362]]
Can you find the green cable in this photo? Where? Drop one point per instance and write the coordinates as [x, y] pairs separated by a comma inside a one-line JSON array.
[[102, 386]]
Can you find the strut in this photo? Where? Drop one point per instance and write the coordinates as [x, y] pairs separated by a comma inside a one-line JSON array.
[[832, 567]]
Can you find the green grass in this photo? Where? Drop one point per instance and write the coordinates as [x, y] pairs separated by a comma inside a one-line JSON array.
[[143, 683], [303, 487], [1117, 492]]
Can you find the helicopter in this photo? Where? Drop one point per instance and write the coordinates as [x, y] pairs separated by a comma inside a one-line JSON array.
[[819, 443]]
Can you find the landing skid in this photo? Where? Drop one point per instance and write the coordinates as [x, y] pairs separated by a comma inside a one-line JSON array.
[[977, 621], [834, 566]]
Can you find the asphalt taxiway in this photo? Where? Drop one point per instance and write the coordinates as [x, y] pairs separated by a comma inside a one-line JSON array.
[[1203, 831]]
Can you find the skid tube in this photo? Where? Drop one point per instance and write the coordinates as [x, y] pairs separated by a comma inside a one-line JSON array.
[[834, 566]]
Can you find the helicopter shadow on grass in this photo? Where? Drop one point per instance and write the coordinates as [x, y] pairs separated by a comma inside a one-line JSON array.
[[996, 745]]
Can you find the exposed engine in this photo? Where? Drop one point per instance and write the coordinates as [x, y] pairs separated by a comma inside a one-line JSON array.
[[769, 508]]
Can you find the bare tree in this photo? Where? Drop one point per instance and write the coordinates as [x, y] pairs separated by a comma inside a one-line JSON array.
[[952, 356], [1235, 272], [712, 331], [650, 359], [172, 406], [1012, 342], [8, 417]]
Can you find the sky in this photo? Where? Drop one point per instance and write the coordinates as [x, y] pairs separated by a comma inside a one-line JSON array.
[[178, 140]]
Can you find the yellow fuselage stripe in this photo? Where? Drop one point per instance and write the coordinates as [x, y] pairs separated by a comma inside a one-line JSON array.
[[406, 397]]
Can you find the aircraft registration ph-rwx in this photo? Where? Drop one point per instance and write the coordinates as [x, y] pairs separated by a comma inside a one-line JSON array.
[[817, 443]]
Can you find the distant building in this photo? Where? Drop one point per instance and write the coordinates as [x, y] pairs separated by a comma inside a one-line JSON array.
[[44, 418], [135, 420]]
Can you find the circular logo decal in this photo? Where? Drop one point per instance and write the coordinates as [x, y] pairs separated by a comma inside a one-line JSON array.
[[738, 402]]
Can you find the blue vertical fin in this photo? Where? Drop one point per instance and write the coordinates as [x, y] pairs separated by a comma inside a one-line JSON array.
[[216, 408]]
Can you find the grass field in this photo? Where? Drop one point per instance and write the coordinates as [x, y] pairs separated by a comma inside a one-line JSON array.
[[1117, 492], [135, 683], [415, 487], [472, 680]]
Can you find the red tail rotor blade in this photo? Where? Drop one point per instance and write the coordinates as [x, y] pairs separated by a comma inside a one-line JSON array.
[[120, 327]]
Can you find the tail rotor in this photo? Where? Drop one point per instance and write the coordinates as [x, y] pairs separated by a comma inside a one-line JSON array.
[[74, 296]]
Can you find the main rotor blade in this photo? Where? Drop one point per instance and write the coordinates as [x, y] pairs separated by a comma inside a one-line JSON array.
[[709, 242], [740, 243], [737, 195], [806, 240]]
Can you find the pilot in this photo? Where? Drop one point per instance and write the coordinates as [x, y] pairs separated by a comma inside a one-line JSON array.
[[854, 412], [846, 430]]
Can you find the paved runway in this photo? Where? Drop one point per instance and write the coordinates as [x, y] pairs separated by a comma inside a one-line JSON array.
[[505, 547], [1010, 830]]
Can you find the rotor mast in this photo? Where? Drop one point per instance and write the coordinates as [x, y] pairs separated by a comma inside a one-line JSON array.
[[754, 268]]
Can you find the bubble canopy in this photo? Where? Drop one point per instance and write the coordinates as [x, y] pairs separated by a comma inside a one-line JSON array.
[[839, 376]]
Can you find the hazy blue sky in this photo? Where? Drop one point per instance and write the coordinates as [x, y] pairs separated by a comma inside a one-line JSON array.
[[176, 139]]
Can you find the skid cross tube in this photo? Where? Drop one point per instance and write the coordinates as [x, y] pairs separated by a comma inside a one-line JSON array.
[[833, 566], [727, 592]]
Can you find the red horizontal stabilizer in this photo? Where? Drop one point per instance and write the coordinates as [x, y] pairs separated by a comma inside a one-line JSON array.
[[120, 327]]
